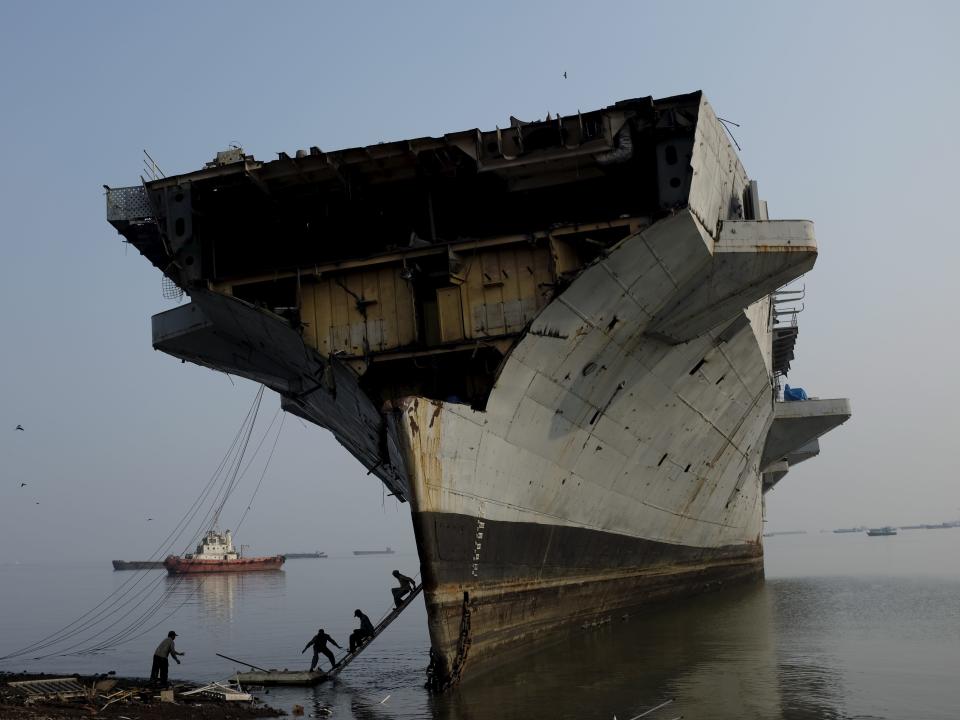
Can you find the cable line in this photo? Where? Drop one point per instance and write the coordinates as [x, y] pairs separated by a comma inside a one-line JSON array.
[[262, 474], [230, 482], [107, 608]]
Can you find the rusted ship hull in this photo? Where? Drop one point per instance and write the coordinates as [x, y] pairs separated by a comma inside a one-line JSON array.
[[181, 566], [560, 342], [540, 579]]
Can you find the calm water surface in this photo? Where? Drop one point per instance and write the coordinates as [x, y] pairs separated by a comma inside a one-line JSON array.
[[845, 626]]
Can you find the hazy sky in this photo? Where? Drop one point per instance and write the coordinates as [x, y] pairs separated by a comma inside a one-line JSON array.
[[848, 117]]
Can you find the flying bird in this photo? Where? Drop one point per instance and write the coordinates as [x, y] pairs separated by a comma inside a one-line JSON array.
[[564, 74], [37, 503], [23, 484], [149, 519], [20, 428]]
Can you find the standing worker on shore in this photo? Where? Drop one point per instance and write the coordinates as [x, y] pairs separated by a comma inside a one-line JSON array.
[[161, 665], [319, 642], [363, 632], [407, 586]]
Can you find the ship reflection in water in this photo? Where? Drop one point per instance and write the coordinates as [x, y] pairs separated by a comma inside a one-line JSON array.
[[795, 649], [716, 654], [718, 662], [216, 594]]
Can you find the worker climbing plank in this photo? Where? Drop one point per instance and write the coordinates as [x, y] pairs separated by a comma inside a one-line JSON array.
[[380, 627], [360, 640]]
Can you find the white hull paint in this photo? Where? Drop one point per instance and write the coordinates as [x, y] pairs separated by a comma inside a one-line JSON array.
[[606, 428]]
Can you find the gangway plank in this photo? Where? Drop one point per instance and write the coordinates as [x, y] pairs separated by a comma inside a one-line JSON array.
[[261, 676], [379, 628]]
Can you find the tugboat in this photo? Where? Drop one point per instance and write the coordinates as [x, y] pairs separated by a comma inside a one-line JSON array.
[[215, 553]]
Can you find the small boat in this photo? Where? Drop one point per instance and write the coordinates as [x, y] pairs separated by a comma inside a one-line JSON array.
[[874, 532], [317, 554], [281, 677], [215, 553], [137, 564], [387, 551]]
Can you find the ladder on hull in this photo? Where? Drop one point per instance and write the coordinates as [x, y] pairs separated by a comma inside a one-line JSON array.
[[379, 628]]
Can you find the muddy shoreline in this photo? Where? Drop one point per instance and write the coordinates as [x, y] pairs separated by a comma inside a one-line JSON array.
[[137, 701]]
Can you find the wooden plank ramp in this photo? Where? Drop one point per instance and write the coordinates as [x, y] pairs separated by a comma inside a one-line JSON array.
[[262, 676], [379, 628]]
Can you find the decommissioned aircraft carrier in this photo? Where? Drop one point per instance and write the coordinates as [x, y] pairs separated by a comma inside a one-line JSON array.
[[560, 341]]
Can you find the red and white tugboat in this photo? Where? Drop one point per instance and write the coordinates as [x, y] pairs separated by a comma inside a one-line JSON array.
[[215, 553]]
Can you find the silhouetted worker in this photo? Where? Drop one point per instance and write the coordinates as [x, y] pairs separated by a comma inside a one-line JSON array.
[[161, 665], [362, 633], [407, 586], [319, 642]]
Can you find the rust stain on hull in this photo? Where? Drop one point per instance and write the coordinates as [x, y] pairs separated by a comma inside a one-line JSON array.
[[516, 614]]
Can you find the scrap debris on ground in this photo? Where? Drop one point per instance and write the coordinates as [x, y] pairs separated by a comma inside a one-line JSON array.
[[58, 697]]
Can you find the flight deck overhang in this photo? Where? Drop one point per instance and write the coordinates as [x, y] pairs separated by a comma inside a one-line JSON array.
[[232, 336], [239, 217], [795, 431], [750, 259]]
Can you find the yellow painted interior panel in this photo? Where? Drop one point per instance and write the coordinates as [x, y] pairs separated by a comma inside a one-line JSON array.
[[564, 257], [504, 289], [372, 310], [451, 314], [359, 311]]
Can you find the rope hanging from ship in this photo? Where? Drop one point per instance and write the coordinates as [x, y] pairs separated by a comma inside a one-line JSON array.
[[128, 636], [229, 483], [237, 448], [224, 480], [131, 633], [102, 610]]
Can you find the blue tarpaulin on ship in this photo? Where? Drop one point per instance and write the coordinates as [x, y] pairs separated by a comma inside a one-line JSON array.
[[790, 393]]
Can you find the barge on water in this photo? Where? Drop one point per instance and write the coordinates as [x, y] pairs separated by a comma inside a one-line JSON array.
[[562, 341], [137, 564], [385, 551]]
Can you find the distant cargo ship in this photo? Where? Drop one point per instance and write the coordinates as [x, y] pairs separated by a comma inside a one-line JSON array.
[[215, 553], [316, 554], [850, 530], [785, 532], [137, 564], [873, 532], [387, 551]]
